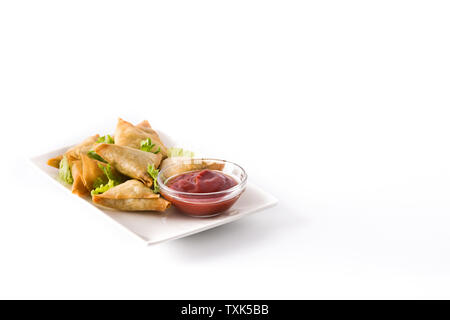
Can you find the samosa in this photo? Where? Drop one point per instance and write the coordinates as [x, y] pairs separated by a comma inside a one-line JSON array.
[[128, 161], [132, 136], [131, 195]]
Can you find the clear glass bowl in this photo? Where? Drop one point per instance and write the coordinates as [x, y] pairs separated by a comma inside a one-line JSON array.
[[202, 204]]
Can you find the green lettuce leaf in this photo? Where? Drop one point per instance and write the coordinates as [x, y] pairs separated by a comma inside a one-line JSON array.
[[112, 180], [147, 145], [92, 154], [103, 187], [106, 139], [153, 172], [64, 172], [179, 152], [99, 182]]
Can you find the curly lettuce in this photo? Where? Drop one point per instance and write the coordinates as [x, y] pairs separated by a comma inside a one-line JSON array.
[[153, 172], [106, 139], [92, 154], [64, 172], [147, 145], [179, 152], [100, 186]]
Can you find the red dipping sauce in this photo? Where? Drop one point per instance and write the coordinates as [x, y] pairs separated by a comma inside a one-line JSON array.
[[204, 197], [203, 181]]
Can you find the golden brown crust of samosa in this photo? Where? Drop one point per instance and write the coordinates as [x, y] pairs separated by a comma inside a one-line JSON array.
[[158, 204], [145, 125], [131, 189], [131, 195], [75, 152], [128, 161], [78, 186], [131, 136], [54, 162], [91, 171]]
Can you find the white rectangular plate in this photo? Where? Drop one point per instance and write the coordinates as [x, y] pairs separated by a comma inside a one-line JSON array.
[[158, 227]]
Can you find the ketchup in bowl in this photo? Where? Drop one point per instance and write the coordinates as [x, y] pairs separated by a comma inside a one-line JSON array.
[[202, 181], [203, 192]]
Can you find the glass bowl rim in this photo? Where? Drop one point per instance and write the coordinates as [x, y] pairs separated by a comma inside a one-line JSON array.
[[174, 192]]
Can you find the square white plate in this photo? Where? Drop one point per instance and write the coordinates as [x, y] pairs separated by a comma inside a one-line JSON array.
[[158, 227]]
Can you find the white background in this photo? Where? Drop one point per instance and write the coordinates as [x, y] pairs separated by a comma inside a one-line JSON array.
[[338, 108]]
